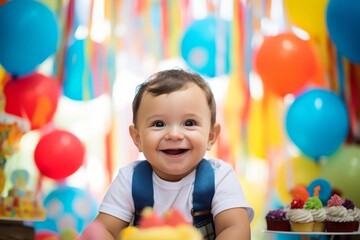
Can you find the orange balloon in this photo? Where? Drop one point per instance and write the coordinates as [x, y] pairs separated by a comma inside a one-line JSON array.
[[301, 192], [285, 63], [3, 2]]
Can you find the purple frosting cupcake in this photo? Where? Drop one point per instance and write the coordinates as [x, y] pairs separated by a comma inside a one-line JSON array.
[[277, 220], [353, 212]]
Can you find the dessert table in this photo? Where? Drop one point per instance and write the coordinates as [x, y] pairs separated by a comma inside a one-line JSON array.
[[17, 228], [307, 235]]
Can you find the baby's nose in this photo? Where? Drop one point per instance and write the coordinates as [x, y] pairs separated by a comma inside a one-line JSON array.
[[174, 133]]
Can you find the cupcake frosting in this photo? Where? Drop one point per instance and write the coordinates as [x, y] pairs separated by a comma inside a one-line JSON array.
[[319, 215], [351, 209], [334, 200], [336, 212], [277, 215], [355, 213], [300, 215], [314, 205], [348, 204], [297, 213]]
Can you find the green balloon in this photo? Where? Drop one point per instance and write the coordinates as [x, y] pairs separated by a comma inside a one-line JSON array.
[[342, 170]]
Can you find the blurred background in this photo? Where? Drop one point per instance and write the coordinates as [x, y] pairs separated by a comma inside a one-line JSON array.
[[285, 74]]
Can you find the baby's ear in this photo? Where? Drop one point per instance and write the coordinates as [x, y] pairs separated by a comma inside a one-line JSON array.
[[134, 133], [213, 135]]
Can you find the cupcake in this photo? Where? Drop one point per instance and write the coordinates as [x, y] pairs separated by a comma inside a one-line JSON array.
[[315, 206], [301, 220], [353, 212], [337, 217], [276, 220]]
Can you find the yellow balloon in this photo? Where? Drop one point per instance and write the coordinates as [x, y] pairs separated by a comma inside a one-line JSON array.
[[299, 170], [308, 15]]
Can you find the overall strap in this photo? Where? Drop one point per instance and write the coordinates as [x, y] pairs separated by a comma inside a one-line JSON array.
[[142, 188], [204, 189]]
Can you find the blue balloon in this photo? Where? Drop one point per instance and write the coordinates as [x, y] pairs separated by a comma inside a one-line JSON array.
[[343, 25], [29, 35], [205, 46], [77, 85], [317, 122], [325, 189], [68, 208]]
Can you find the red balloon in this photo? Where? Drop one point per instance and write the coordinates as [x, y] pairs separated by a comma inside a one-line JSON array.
[[59, 154], [285, 63], [34, 97]]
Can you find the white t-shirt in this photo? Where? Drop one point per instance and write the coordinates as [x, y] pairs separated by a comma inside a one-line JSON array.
[[118, 200]]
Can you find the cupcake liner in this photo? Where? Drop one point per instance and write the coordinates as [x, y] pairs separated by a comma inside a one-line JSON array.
[[302, 227], [356, 226], [274, 225], [319, 227], [339, 226]]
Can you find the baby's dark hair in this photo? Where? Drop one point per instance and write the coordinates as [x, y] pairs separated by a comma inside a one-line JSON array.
[[169, 81]]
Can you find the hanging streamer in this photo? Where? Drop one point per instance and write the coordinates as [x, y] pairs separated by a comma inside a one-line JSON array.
[[67, 31], [236, 101], [165, 28]]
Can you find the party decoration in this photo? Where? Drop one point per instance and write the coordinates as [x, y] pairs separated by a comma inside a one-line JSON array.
[[313, 21], [317, 122], [21, 203], [294, 172], [68, 208], [342, 170], [78, 82], [323, 189], [205, 46], [33, 97], [300, 192], [285, 63], [11, 130], [29, 35], [343, 25], [59, 154]]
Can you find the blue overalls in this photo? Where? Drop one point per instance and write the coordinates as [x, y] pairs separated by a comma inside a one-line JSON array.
[[204, 189]]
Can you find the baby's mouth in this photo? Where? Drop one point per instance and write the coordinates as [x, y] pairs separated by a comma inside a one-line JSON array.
[[174, 151]]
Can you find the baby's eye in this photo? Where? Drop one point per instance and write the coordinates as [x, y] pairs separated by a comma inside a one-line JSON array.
[[158, 124], [189, 123]]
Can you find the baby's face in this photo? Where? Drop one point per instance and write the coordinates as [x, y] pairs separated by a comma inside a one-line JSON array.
[[174, 131]]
